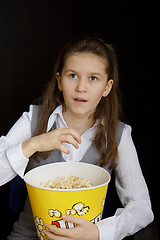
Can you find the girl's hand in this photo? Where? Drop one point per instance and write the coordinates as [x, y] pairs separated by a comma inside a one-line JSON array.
[[51, 140], [84, 230]]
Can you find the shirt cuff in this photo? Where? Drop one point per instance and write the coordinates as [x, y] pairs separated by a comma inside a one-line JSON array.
[[107, 228], [17, 159]]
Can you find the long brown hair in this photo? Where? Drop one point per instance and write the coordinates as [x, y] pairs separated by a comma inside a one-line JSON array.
[[108, 108]]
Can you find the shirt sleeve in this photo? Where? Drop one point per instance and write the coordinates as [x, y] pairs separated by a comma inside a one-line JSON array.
[[12, 160], [133, 193]]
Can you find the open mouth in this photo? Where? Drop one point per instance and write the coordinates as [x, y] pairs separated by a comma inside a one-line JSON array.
[[80, 100]]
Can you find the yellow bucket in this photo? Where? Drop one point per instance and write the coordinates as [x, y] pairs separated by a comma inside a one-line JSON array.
[[48, 205]]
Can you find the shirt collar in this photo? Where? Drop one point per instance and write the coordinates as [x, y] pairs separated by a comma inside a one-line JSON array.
[[58, 111], [53, 117]]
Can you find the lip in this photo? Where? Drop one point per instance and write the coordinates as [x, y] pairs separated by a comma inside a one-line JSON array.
[[79, 99]]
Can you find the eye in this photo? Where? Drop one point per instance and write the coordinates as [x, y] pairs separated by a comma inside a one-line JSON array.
[[73, 76], [92, 78]]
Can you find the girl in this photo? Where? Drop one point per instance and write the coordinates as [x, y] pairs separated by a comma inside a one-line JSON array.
[[77, 120]]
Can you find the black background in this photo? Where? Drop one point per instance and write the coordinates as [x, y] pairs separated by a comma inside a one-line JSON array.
[[31, 35]]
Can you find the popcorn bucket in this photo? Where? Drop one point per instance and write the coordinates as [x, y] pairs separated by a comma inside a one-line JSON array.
[[48, 205]]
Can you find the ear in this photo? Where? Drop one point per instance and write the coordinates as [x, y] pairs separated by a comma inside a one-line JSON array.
[[59, 81], [108, 88]]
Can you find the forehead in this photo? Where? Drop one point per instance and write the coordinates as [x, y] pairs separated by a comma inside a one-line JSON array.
[[85, 62]]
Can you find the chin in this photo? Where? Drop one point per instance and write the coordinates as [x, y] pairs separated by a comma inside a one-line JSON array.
[[82, 112]]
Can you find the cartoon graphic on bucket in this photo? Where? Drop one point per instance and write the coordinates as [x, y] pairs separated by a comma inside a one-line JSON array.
[[48, 205], [79, 208]]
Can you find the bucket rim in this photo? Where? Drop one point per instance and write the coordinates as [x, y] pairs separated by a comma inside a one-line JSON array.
[[68, 190]]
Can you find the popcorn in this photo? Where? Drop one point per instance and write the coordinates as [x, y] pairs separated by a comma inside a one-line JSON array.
[[67, 182]]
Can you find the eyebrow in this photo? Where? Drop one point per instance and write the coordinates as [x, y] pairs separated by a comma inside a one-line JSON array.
[[70, 70], [94, 73]]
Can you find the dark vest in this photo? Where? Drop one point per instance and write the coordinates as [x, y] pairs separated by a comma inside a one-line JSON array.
[[91, 156]]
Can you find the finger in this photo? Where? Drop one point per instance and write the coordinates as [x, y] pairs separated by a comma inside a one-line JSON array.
[[54, 232], [69, 139], [62, 148], [77, 220], [75, 134], [51, 236]]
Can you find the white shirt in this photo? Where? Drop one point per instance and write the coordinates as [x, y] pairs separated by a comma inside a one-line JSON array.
[[130, 183], [75, 154]]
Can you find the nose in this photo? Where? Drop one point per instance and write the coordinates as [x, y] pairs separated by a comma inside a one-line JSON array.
[[81, 85]]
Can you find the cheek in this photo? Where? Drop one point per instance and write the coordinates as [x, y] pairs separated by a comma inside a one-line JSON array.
[[67, 90], [97, 95]]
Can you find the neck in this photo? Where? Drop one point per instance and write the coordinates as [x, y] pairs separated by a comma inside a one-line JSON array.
[[79, 123]]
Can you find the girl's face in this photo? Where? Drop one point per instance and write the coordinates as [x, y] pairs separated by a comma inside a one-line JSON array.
[[83, 82]]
